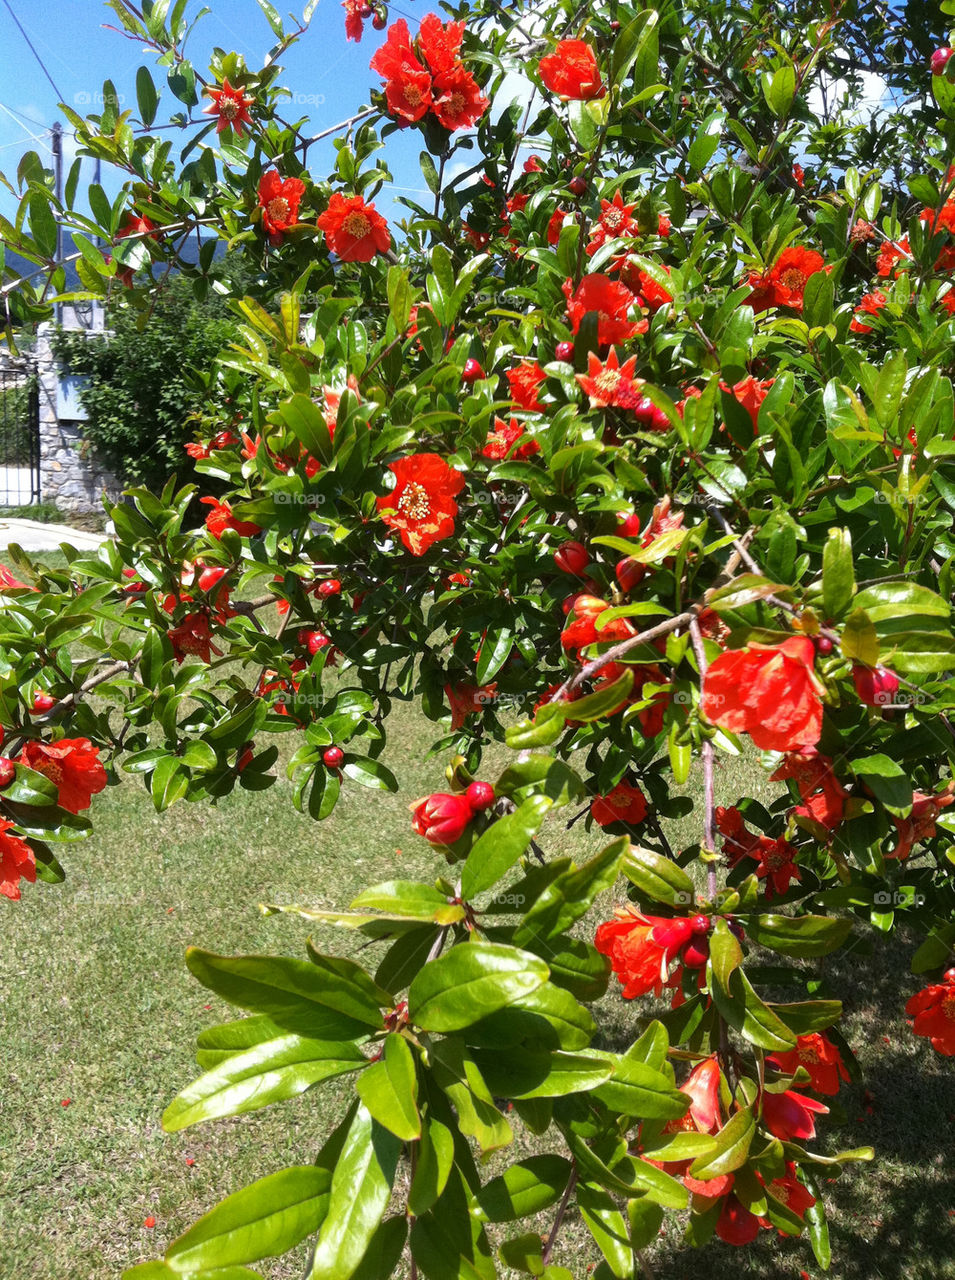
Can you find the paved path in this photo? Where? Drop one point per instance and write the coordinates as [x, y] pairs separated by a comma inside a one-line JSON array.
[[34, 536]]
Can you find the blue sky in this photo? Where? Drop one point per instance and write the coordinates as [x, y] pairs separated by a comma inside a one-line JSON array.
[[80, 53]]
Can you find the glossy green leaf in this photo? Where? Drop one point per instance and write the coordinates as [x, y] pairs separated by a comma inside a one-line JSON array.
[[389, 1089], [471, 981], [499, 847], [263, 1220], [525, 1188]]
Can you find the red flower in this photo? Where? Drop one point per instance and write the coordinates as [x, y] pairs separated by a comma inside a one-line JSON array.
[[354, 231], [279, 199], [501, 441], [822, 793], [533, 165], [440, 43], [231, 106], [736, 1225], [870, 305], [8, 582], [933, 1011], [777, 864], [555, 226], [523, 382], [625, 803], [611, 300], [783, 284], [767, 691], [615, 220], [788, 1190], [789, 1115], [193, 636], [641, 948], [889, 254], [920, 824], [407, 82], [354, 19], [821, 1059], [457, 100], [17, 862], [466, 699], [799, 175], [72, 765], [421, 506], [571, 71], [610, 383], [442, 818], [750, 393], [221, 518]]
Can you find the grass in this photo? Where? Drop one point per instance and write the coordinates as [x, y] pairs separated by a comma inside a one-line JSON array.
[[98, 1008]]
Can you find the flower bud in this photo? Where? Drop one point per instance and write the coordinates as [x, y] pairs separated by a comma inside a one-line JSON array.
[[442, 818], [939, 60], [332, 757], [572, 557], [480, 795], [8, 770]]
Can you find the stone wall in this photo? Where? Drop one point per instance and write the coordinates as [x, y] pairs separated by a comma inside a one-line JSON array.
[[70, 475]]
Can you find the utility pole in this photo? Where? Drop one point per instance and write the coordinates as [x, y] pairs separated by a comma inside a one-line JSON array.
[[57, 132]]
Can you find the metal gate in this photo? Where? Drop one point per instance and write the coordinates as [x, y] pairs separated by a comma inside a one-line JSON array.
[[19, 434]]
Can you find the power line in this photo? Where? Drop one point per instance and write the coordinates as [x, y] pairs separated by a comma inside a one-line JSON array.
[[34, 137], [59, 96], [42, 124]]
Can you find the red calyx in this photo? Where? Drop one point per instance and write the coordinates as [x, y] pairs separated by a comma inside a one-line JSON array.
[[8, 769], [564, 351], [329, 587], [42, 702], [332, 757], [472, 372]]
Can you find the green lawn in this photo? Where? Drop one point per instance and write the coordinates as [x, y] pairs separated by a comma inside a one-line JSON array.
[[96, 1006]]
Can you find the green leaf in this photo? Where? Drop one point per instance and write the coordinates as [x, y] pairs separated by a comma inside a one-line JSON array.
[[370, 773], [540, 774], [838, 576], [525, 1188], [887, 781], [161, 1271], [307, 423], [745, 1012], [528, 1074], [272, 1071], [435, 1158], [889, 600], [637, 1089], [608, 1227], [732, 1148], [399, 297], [295, 994], [500, 846], [726, 954], [30, 787], [389, 1089], [706, 141], [42, 223], [263, 1220], [859, 640], [779, 89], [363, 1174], [469, 982], [570, 895], [410, 900], [658, 878], [798, 936], [146, 96]]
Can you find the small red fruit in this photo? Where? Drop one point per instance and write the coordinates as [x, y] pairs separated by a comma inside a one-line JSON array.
[[332, 757], [329, 587], [701, 924], [823, 644], [244, 760], [365, 11], [629, 573], [380, 20], [564, 351], [313, 640], [42, 702], [8, 770], [572, 557], [876, 686], [949, 975], [577, 186], [939, 60], [472, 372], [629, 525], [480, 795]]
